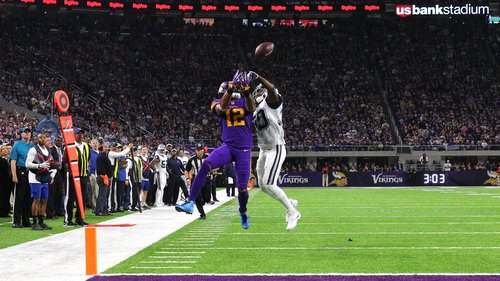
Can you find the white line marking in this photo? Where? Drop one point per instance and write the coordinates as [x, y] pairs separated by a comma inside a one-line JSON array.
[[176, 267], [409, 223], [188, 245], [196, 238], [305, 273], [473, 216], [176, 252], [356, 248], [371, 233], [174, 257], [168, 262]]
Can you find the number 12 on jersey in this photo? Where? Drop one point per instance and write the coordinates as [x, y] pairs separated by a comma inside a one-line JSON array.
[[235, 117]]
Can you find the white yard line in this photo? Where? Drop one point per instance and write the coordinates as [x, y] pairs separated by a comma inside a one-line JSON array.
[[398, 223], [347, 248], [62, 256], [368, 233], [174, 257], [168, 262], [177, 252], [336, 216], [173, 267]]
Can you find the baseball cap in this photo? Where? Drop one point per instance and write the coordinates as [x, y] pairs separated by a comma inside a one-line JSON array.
[[78, 130], [168, 144], [199, 146], [119, 145], [24, 129]]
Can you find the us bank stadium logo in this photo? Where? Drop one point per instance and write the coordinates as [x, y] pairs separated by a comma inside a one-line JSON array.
[[292, 179], [339, 179], [441, 10], [493, 180]]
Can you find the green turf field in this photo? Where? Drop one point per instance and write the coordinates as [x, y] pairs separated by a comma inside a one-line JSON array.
[[392, 231], [13, 236]]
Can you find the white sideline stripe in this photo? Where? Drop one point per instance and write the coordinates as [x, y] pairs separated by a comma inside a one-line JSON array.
[[355, 248], [206, 230], [176, 252], [194, 238], [389, 223], [444, 206], [168, 262], [370, 233], [174, 257], [176, 267], [473, 216], [186, 245]]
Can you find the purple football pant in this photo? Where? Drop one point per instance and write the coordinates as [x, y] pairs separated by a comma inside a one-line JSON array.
[[220, 157]]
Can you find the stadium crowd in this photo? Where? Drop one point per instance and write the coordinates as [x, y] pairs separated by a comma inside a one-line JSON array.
[[332, 100], [442, 81]]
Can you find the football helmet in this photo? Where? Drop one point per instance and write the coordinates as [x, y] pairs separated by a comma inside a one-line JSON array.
[[259, 94], [161, 149]]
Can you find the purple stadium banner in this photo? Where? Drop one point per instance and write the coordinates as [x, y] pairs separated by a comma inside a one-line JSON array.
[[339, 179]]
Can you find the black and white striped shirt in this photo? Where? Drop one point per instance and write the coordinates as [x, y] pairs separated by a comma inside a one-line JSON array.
[[194, 164]]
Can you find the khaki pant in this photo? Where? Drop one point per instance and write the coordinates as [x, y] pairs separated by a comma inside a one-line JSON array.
[[94, 187]]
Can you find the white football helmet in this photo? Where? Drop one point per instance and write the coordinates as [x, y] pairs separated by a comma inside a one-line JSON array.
[[161, 149], [259, 94]]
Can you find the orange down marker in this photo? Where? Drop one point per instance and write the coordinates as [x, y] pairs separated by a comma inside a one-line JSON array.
[[90, 251]]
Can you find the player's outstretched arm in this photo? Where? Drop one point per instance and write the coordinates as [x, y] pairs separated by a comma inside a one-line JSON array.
[[272, 92], [221, 107]]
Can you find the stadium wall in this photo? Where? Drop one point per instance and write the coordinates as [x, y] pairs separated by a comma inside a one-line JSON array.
[[390, 179]]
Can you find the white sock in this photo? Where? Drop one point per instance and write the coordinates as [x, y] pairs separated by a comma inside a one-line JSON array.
[[278, 194]]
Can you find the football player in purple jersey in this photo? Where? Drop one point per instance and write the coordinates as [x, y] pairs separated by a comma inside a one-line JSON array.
[[234, 112]]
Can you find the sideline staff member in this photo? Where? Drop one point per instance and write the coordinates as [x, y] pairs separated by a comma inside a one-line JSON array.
[[22, 206]]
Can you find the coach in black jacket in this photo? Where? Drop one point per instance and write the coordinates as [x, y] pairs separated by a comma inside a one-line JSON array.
[[55, 202], [104, 172]]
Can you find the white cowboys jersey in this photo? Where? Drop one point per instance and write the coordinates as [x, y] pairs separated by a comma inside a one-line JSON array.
[[184, 160], [269, 124], [162, 165]]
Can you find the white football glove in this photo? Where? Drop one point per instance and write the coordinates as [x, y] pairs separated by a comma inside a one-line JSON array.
[[44, 165], [252, 76]]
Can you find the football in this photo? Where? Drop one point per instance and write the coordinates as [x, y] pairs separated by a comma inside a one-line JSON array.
[[54, 164], [264, 49]]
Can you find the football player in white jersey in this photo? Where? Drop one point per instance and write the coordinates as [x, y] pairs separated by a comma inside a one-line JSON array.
[[184, 159], [268, 122], [161, 176]]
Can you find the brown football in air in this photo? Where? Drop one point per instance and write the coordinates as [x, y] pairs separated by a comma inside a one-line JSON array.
[[264, 49]]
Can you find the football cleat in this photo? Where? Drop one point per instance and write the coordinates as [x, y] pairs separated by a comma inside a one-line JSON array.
[[293, 219], [245, 220], [187, 207]]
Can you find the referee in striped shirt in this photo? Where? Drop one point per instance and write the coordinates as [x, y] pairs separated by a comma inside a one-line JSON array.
[[192, 168]]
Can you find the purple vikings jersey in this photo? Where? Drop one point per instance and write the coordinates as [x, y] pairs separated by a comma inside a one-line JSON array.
[[236, 124]]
